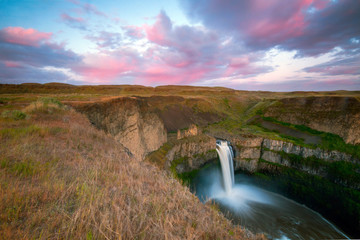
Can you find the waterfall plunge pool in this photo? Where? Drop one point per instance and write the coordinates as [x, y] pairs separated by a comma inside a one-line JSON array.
[[259, 210]]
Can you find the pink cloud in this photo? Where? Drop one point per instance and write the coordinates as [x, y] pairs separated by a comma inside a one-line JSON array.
[[105, 68], [25, 54], [106, 39], [134, 31], [185, 54], [163, 74], [310, 26], [22, 36], [69, 18], [159, 32], [12, 64], [88, 7], [337, 66], [75, 22], [272, 21]]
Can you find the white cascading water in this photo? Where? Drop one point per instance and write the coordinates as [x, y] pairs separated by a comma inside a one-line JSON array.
[[226, 159], [258, 209]]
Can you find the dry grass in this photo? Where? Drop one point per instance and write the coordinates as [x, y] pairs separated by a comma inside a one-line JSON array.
[[60, 178]]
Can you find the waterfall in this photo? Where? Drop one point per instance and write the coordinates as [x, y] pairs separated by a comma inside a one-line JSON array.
[[226, 159]]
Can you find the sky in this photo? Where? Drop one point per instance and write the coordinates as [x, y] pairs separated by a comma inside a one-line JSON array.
[[270, 45]]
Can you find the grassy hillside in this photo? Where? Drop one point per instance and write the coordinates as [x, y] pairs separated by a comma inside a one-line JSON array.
[[60, 178]]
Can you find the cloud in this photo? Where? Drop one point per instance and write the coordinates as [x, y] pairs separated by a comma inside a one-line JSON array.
[[88, 8], [315, 85], [336, 25], [34, 52], [107, 67], [21, 36], [43, 55], [311, 27], [135, 32], [74, 22], [338, 66], [188, 53], [294, 85], [26, 73], [164, 53], [106, 39]]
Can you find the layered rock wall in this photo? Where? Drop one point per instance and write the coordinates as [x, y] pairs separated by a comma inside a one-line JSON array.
[[338, 115], [193, 130], [130, 121], [191, 153], [290, 148], [250, 150]]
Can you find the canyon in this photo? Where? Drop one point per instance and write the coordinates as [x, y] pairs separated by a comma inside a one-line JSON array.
[[267, 139], [310, 139]]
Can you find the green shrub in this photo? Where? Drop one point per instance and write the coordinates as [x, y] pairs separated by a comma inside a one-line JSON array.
[[3, 100], [344, 172], [47, 101], [14, 114], [270, 119]]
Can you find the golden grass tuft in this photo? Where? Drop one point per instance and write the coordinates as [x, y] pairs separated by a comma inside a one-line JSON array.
[[45, 105], [60, 178]]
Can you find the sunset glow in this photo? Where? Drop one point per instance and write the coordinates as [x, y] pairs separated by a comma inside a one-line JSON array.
[[249, 45]]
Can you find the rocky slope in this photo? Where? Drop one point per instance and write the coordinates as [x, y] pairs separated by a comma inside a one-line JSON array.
[[130, 121], [338, 115]]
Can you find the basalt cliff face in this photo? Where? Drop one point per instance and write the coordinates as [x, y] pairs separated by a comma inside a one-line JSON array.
[[191, 153], [130, 121], [249, 149], [255, 154], [338, 115], [185, 154], [290, 148]]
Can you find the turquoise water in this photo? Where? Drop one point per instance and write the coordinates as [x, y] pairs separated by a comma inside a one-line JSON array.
[[262, 211]]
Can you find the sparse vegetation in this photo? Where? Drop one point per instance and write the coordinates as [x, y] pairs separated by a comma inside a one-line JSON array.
[[13, 114], [329, 141], [45, 105]]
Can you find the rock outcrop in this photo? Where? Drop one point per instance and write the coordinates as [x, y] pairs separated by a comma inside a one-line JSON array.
[[130, 121], [247, 152], [290, 148], [193, 130], [191, 153], [186, 154], [251, 150], [338, 115]]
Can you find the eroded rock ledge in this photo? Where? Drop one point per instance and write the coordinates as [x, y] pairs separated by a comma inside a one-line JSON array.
[[249, 150], [186, 154], [130, 121]]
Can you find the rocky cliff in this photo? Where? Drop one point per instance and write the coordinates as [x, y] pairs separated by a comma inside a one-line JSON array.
[[193, 130], [254, 154], [338, 115], [290, 148], [249, 149], [186, 154], [191, 153], [130, 121]]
